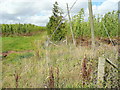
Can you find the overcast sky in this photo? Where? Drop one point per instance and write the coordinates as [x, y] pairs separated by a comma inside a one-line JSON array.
[[38, 11]]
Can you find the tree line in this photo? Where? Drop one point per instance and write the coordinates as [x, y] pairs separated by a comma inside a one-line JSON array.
[[19, 29], [105, 25], [58, 27]]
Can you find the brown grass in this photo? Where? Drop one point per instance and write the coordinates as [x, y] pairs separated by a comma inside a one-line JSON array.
[[86, 71], [51, 78]]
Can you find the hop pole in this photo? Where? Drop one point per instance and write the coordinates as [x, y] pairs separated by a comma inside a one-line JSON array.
[[74, 42], [91, 23]]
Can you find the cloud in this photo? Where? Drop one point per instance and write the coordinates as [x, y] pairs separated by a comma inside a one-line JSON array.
[[106, 6], [38, 11], [38, 20]]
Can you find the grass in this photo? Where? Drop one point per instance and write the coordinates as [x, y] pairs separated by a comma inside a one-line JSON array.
[[17, 57], [20, 43], [33, 71]]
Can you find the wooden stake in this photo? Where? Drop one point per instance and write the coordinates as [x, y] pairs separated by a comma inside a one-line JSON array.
[[74, 42], [91, 23], [101, 72]]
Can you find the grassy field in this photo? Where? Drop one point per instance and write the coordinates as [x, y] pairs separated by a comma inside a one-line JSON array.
[[44, 66], [20, 43]]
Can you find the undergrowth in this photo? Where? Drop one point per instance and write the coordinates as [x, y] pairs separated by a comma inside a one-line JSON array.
[[33, 70]]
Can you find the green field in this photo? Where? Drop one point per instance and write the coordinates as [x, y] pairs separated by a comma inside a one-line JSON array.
[[20, 43]]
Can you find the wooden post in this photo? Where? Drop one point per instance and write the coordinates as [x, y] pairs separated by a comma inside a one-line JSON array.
[[47, 52], [91, 23], [74, 42], [101, 72]]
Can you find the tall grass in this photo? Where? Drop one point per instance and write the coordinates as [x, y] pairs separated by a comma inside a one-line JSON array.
[[67, 67]]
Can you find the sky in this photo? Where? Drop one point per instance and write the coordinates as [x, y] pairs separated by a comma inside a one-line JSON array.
[[38, 11]]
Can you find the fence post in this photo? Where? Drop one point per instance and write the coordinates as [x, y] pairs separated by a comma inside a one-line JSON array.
[[101, 72]]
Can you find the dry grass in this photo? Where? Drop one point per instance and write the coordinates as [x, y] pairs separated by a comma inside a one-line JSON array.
[[66, 60]]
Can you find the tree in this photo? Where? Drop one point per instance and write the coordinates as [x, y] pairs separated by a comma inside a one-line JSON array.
[[53, 23]]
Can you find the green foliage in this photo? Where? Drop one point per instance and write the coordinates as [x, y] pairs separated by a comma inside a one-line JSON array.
[[53, 23], [78, 23], [107, 24], [110, 20], [19, 29], [103, 25]]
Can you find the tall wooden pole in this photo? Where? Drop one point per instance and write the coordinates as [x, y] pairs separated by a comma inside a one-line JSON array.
[[74, 42], [91, 23]]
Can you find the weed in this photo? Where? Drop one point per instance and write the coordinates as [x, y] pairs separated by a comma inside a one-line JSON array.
[[17, 77], [51, 78], [86, 71]]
